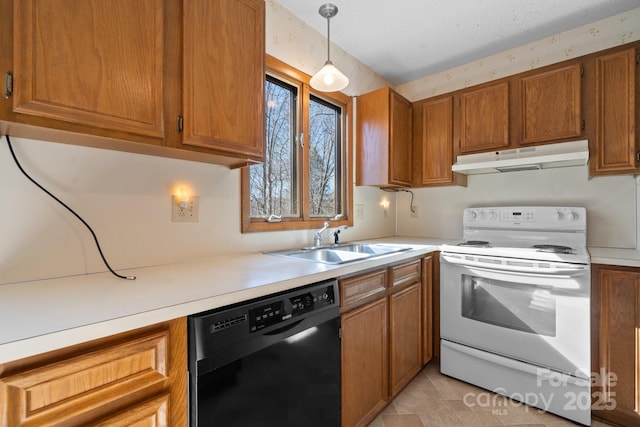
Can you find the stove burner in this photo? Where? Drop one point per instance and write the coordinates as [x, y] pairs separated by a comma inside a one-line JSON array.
[[475, 243], [556, 249]]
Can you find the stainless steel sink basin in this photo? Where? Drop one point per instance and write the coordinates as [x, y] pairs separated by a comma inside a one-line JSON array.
[[341, 253]]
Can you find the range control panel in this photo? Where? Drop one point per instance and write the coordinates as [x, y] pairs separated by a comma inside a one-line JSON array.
[[530, 217]]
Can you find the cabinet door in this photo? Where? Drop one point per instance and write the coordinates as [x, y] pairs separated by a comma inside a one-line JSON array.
[[364, 363], [484, 119], [551, 105], [223, 72], [617, 395], [98, 63], [405, 337], [433, 143], [400, 144], [616, 137]]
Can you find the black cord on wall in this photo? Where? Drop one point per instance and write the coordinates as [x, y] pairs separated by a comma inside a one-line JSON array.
[[396, 190], [95, 238]]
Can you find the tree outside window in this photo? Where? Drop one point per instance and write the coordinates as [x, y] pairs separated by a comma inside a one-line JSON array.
[[304, 179]]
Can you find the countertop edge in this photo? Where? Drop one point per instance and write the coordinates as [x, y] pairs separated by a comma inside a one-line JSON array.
[[42, 343]]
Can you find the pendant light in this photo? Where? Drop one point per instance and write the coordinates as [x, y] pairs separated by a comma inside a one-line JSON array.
[[329, 78]]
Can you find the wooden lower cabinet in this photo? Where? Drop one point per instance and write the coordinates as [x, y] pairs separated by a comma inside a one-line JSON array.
[[136, 378], [405, 335], [616, 344], [365, 363], [382, 336]]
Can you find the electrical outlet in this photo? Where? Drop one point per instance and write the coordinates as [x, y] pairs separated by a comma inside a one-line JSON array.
[[359, 211], [414, 211], [190, 213]]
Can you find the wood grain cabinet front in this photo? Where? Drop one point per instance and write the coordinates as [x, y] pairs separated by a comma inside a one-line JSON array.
[[615, 359], [433, 151], [615, 145], [383, 139], [137, 378], [551, 105], [96, 64], [171, 78], [483, 118], [365, 363], [223, 77], [382, 336]]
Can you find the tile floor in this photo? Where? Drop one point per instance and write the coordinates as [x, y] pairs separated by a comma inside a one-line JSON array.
[[435, 400]]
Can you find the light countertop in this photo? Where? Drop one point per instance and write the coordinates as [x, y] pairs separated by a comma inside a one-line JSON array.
[[614, 256], [45, 315]]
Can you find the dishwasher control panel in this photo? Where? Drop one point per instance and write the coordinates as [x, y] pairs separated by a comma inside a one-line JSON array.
[[283, 309]]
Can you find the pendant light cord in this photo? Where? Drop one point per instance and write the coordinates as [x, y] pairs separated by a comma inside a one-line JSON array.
[[95, 238]]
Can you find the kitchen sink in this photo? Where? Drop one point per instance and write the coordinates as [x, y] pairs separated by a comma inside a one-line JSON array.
[[340, 254]]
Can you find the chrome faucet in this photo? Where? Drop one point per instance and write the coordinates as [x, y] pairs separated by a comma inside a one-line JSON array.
[[318, 236]]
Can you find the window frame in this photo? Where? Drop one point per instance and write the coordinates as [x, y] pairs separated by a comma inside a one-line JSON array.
[[304, 221]]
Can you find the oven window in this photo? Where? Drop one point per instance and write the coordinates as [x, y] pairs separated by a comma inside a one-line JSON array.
[[509, 305]]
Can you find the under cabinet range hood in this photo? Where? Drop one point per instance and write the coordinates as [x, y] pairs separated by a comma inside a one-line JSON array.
[[564, 154]]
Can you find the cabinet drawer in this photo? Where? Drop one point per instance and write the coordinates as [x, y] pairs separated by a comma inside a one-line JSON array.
[[152, 413], [360, 287], [62, 391], [405, 273]]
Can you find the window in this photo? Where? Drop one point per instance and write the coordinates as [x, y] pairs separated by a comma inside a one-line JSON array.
[[306, 174]]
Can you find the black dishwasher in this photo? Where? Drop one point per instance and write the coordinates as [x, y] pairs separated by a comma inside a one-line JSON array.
[[272, 361]]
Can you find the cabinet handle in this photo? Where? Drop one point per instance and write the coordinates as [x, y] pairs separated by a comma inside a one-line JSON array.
[[179, 124], [8, 84]]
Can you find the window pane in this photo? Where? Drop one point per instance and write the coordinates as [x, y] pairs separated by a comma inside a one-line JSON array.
[[273, 184], [324, 158]]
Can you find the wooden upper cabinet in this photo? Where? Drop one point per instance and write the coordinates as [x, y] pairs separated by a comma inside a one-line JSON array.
[[615, 144], [383, 133], [97, 63], [223, 73], [171, 78], [433, 143], [551, 105], [484, 119]]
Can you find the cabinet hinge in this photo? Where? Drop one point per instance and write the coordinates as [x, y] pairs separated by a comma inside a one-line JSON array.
[[584, 124], [638, 58], [638, 156], [582, 72], [179, 124], [8, 84]]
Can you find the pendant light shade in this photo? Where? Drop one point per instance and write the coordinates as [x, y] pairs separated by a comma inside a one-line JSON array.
[[329, 78]]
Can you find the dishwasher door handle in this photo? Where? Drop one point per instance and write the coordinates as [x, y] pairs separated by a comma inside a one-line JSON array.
[[284, 329]]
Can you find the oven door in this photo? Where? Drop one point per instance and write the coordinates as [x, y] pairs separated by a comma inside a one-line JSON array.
[[516, 308]]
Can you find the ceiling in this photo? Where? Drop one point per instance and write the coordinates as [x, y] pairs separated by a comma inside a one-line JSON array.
[[403, 40]]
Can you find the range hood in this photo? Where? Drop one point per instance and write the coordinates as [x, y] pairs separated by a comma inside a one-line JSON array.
[[564, 154]]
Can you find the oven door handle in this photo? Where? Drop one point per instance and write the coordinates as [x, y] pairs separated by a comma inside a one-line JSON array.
[[516, 266]]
